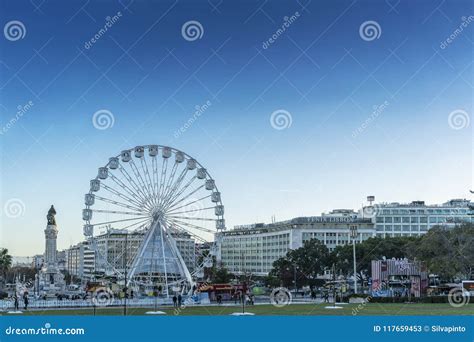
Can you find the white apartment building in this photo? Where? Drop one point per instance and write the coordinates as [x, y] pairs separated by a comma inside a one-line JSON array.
[[253, 248], [416, 218], [80, 261]]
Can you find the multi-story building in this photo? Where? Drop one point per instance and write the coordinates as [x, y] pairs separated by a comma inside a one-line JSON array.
[[253, 248], [80, 261], [416, 218]]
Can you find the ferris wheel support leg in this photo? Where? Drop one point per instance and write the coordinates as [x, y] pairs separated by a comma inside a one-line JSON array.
[[164, 259], [139, 256], [184, 268]]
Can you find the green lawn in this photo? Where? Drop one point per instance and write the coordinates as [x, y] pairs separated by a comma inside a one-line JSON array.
[[294, 309]]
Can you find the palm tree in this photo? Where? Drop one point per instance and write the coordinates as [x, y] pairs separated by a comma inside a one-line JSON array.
[[5, 262]]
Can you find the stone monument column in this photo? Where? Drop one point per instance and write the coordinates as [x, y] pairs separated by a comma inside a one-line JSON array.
[[50, 279], [51, 235]]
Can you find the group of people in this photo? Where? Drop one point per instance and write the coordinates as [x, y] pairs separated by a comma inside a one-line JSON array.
[[177, 301], [16, 301], [237, 296]]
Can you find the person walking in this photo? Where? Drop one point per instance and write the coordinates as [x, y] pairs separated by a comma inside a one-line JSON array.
[[175, 301], [15, 302], [180, 299], [25, 299]]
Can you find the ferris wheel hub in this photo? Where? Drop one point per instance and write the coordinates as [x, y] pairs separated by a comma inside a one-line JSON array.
[[158, 214]]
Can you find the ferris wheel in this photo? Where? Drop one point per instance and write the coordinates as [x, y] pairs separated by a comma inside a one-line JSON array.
[[150, 216]]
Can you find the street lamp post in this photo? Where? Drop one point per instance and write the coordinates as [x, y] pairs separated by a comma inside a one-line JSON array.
[[353, 229], [125, 285]]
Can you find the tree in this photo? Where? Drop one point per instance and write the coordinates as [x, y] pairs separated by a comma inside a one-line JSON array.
[[282, 272], [446, 252], [5, 262], [220, 275], [304, 264], [371, 249], [311, 259]]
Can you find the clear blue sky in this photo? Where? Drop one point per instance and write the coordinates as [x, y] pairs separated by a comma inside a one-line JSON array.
[[319, 70]]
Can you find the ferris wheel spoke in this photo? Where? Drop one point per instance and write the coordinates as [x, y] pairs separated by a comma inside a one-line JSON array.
[[142, 224], [125, 187], [184, 198], [133, 183], [116, 221], [190, 211], [142, 183], [103, 199], [176, 195], [170, 181], [164, 170], [197, 237], [175, 186], [154, 166], [193, 218], [119, 194], [173, 207], [119, 212], [148, 179], [190, 225]]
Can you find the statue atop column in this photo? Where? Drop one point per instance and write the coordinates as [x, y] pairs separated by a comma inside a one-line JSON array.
[[51, 216], [51, 280]]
